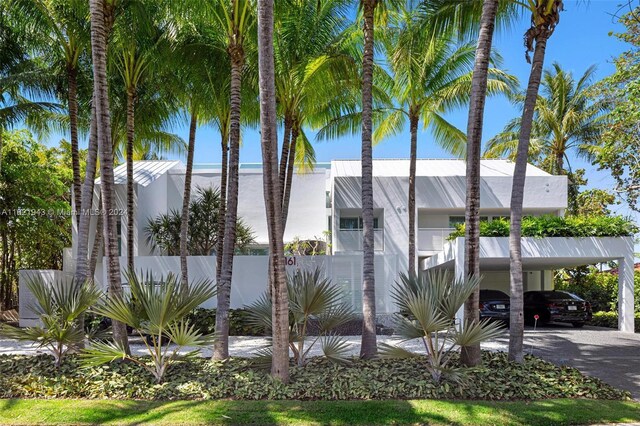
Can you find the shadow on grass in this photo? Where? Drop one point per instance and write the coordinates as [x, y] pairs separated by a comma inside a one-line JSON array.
[[564, 411]]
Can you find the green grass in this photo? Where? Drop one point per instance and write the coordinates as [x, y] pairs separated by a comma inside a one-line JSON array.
[[547, 412]]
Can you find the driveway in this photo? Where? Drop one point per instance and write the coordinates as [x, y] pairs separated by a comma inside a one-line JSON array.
[[607, 354]]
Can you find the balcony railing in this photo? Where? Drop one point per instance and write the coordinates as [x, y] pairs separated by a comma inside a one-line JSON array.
[[433, 239], [351, 240]]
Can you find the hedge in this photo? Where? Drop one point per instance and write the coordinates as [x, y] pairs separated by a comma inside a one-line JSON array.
[[557, 226], [610, 320]]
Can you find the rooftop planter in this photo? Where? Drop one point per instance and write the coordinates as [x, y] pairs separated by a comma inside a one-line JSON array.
[[555, 226]]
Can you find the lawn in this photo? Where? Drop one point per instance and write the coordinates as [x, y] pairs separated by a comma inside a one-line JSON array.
[[556, 411]]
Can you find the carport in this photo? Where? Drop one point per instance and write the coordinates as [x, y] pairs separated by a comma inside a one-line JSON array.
[[547, 253]]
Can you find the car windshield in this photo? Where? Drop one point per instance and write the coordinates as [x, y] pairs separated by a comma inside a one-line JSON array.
[[560, 295], [493, 295]]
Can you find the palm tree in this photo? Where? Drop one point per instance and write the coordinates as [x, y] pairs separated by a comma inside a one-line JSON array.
[[101, 22], [565, 119], [545, 15], [236, 20], [368, 347], [430, 75], [272, 195], [64, 30], [471, 355], [309, 63]]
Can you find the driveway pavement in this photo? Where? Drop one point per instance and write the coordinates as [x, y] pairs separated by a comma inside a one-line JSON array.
[[612, 356], [609, 355]]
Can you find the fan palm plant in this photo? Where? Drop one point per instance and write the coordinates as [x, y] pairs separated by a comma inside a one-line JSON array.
[[565, 119], [428, 305], [59, 306], [314, 302], [156, 311]]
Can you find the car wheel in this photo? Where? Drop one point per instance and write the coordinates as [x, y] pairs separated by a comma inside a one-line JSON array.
[[577, 324]]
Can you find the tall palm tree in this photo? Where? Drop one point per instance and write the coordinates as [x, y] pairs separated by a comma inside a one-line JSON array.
[[430, 75], [236, 20], [64, 31], [471, 355], [269, 142], [565, 119], [101, 22], [309, 62], [545, 15]]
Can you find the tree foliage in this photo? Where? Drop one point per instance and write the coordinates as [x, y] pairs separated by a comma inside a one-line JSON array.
[[163, 232]]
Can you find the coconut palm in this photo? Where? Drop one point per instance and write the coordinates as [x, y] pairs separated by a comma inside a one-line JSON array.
[[429, 76], [235, 18], [310, 65], [63, 30], [101, 22], [545, 15], [565, 119], [272, 194]]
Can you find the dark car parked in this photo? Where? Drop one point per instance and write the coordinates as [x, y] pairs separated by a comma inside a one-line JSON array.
[[494, 305], [558, 306]]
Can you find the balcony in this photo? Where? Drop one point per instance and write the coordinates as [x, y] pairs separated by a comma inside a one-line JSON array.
[[433, 239], [351, 240]]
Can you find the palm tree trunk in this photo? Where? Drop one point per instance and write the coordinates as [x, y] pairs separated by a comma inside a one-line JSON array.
[[222, 210], [470, 355], [130, 189], [86, 203], [97, 243], [368, 348], [516, 328], [284, 156], [286, 195], [184, 221], [272, 194], [413, 130], [560, 163], [72, 75], [221, 345], [101, 96]]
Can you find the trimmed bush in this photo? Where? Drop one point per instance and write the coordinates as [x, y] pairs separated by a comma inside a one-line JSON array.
[[199, 378], [610, 320], [556, 226]]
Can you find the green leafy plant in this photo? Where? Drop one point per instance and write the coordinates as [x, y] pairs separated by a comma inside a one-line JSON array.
[[204, 320], [428, 306], [610, 320], [58, 305], [558, 226], [156, 311], [313, 301]]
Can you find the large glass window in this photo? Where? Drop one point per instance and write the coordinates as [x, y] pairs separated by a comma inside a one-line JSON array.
[[355, 223], [454, 221]]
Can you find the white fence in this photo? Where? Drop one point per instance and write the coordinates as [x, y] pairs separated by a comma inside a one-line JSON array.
[[26, 300], [250, 274]]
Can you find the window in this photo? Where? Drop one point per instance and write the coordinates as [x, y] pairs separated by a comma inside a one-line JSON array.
[[454, 221], [355, 223]]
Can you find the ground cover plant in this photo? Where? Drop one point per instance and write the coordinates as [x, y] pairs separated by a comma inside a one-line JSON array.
[[199, 378]]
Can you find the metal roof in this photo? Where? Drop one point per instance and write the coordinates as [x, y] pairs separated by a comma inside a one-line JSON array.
[[430, 167], [144, 172]]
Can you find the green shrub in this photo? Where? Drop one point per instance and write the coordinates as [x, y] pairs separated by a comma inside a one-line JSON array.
[[598, 288], [610, 320], [199, 378], [204, 320], [556, 226]]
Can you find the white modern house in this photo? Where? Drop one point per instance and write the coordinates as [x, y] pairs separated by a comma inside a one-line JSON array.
[[325, 203]]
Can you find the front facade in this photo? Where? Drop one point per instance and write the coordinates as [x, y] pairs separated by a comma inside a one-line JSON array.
[[326, 205]]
